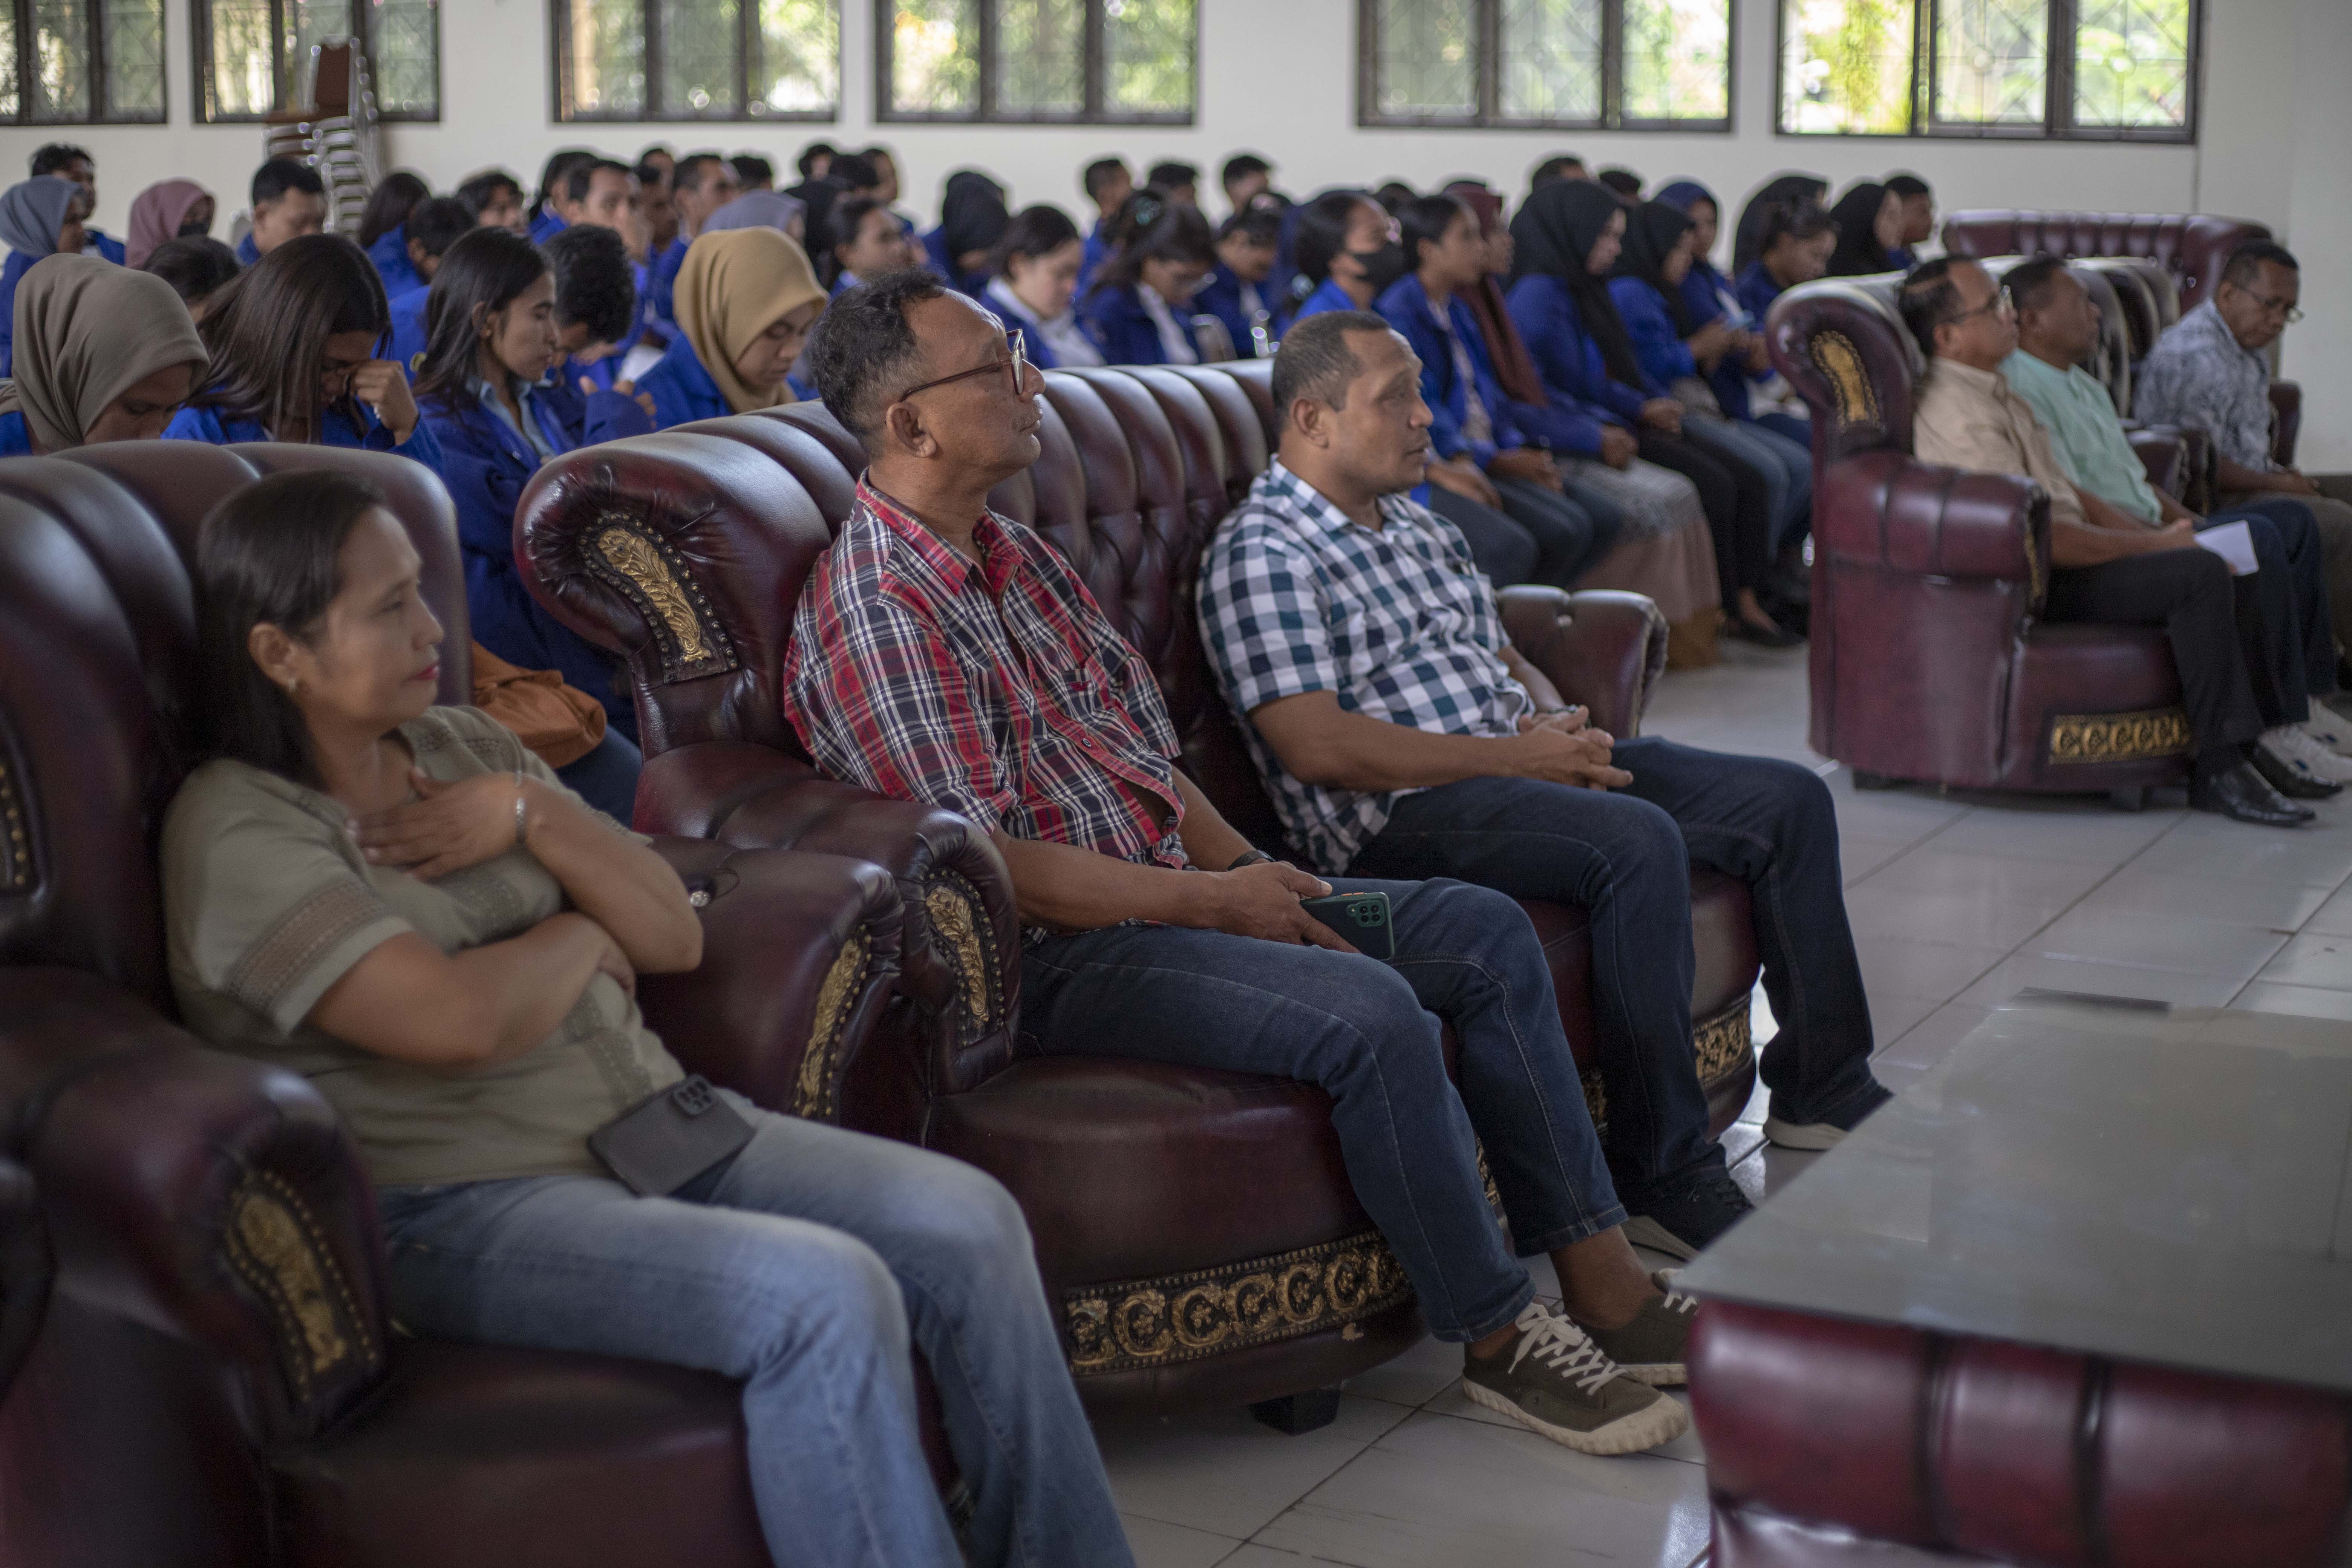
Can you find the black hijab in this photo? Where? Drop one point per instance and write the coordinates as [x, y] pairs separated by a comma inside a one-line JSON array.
[[1651, 232], [1789, 191], [1858, 252], [1554, 233], [971, 212]]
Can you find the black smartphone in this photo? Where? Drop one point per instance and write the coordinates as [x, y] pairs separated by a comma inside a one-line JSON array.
[[1359, 919]]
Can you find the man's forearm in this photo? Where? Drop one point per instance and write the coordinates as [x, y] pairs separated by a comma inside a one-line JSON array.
[[1356, 751], [1069, 888], [2079, 544], [2232, 476]]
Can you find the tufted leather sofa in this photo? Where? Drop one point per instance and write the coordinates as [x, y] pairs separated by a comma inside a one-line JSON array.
[[1197, 1229], [215, 1379], [1928, 660], [1842, 1444]]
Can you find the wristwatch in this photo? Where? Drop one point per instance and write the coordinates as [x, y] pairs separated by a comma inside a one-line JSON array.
[[1249, 858]]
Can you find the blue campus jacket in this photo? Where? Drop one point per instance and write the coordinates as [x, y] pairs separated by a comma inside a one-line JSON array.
[[935, 247], [1329, 296], [1657, 340], [408, 326], [390, 254], [107, 245], [661, 290], [1093, 254], [1577, 383], [15, 436], [486, 465], [247, 253], [195, 423], [11, 272], [1703, 292], [1755, 290], [1406, 306], [546, 226], [1221, 297], [1123, 330], [681, 389]]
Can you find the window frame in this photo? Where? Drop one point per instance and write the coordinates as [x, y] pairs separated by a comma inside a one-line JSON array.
[[2058, 108], [1490, 116], [1092, 73], [747, 26], [102, 109], [283, 67]]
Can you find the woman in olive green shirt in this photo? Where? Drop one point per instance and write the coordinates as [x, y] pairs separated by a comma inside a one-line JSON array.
[[402, 903]]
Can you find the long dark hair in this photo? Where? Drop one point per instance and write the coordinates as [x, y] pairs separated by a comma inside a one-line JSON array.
[[1034, 231], [270, 555], [478, 276], [1323, 233], [388, 207], [1150, 227], [269, 333]]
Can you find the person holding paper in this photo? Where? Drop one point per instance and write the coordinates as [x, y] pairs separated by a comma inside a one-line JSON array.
[[2282, 589], [2105, 566]]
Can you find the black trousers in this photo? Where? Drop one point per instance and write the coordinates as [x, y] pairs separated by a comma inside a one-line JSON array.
[[1737, 503], [2189, 593]]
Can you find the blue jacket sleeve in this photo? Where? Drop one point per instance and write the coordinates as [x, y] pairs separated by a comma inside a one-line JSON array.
[[1568, 360], [612, 415], [1656, 342], [1121, 328], [1404, 307]]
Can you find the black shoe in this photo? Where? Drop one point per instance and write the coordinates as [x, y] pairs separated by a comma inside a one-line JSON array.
[[2289, 783], [1683, 1221], [1774, 637], [2242, 795]]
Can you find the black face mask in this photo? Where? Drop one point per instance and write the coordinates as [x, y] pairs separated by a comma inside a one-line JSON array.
[[1382, 267]]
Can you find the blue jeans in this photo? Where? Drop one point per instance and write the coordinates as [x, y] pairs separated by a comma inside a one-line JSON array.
[[1625, 856], [1367, 1033], [805, 1273], [606, 778], [1787, 468]]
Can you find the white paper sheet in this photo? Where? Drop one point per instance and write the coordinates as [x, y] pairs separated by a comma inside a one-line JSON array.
[[2234, 543]]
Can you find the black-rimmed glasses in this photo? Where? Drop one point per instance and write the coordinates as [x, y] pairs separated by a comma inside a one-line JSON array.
[[1016, 367]]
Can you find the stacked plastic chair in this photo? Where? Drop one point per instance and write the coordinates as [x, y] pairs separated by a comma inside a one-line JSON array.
[[334, 132]]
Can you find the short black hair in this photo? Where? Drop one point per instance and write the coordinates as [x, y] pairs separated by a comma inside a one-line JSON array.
[[807, 162], [1322, 233], [1241, 165], [1392, 195], [752, 169], [1260, 225], [1424, 220], [1154, 227], [650, 174], [195, 266], [863, 341], [439, 223], [2244, 268], [1930, 299], [1172, 173], [595, 285], [687, 173], [1907, 185], [1098, 173], [1800, 221], [1624, 182], [1038, 230], [55, 157], [1316, 362], [854, 172], [1554, 169], [2028, 281], [581, 178], [478, 191], [279, 175]]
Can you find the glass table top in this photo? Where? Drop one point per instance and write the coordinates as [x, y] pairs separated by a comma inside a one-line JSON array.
[[2153, 1183]]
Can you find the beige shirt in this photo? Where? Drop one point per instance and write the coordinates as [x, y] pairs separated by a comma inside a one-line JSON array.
[[1971, 418], [268, 901]]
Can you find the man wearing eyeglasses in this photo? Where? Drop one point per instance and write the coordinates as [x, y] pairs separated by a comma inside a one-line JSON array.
[[2211, 371], [947, 655], [2106, 566]]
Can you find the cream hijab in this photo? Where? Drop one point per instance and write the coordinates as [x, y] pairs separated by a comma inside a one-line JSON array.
[[87, 331], [735, 285]]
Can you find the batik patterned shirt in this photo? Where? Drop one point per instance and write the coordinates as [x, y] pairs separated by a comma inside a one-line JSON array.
[[2200, 376]]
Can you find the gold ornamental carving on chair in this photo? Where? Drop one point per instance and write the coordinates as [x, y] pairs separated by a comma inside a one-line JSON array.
[[2120, 737], [816, 1092], [274, 1247], [1142, 1324], [962, 929], [649, 572], [1840, 363]]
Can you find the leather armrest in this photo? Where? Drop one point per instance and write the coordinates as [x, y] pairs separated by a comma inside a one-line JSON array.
[[800, 956], [1602, 647], [205, 1196], [2163, 451], [27, 1265], [2286, 405], [1884, 508]]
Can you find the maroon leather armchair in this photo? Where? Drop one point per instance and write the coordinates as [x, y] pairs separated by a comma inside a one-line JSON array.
[[214, 1378], [1196, 1228], [1929, 662]]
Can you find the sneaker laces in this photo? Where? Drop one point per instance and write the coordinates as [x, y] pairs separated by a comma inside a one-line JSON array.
[[1560, 1345]]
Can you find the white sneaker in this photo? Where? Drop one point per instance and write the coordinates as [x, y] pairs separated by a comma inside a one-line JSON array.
[[2303, 751], [2329, 728]]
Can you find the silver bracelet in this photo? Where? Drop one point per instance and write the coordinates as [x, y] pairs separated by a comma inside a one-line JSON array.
[[520, 822]]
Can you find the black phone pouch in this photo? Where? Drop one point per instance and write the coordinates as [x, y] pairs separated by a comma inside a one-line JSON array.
[[685, 1136]]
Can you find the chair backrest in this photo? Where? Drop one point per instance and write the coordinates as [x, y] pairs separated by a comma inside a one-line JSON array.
[[2110, 359], [98, 697], [1842, 344], [2191, 247]]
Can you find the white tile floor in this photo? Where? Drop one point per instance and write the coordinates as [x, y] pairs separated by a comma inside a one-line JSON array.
[[1960, 901]]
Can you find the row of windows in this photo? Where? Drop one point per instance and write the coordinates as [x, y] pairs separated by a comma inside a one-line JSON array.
[[2096, 69]]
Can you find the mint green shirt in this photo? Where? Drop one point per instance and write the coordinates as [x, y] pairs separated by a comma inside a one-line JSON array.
[[2085, 432]]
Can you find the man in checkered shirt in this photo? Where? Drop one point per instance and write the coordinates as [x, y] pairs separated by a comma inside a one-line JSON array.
[[1401, 735], [947, 655]]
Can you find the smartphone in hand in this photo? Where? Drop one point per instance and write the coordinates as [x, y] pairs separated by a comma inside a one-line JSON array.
[[1361, 919]]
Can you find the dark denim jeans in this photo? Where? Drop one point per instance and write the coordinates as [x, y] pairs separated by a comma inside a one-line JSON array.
[[1367, 1033], [1624, 855]]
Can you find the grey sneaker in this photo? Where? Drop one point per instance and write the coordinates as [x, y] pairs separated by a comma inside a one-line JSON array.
[[1556, 1381], [1649, 1348]]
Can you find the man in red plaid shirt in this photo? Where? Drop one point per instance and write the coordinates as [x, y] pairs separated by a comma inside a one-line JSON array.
[[947, 655]]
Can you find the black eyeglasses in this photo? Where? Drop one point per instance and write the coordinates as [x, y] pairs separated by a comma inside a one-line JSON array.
[[2271, 306], [1016, 368]]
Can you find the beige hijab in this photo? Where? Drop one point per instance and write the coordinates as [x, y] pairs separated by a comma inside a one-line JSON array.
[[87, 331], [735, 285]]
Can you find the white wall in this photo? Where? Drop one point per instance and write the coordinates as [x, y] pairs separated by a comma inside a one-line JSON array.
[[1278, 76]]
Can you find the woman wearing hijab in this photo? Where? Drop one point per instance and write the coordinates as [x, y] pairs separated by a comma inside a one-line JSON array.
[[972, 218], [108, 355], [165, 210], [1787, 190], [746, 299], [39, 217], [1870, 223], [1663, 548], [1567, 238]]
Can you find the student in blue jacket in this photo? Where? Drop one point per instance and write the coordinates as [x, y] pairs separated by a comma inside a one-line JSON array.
[[1475, 442], [431, 228], [1794, 243], [1109, 182], [481, 388], [746, 299], [1036, 277], [1347, 253], [68, 162], [108, 354], [702, 183], [39, 217], [1241, 291], [288, 201], [294, 342], [383, 231], [860, 238], [595, 318], [1139, 309], [972, 218]]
